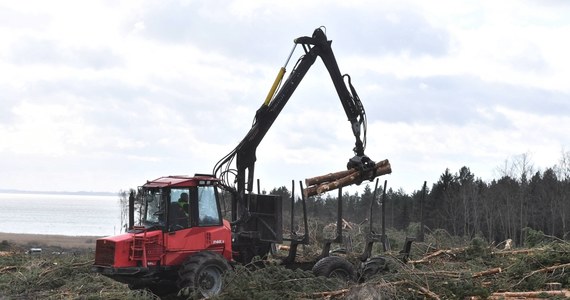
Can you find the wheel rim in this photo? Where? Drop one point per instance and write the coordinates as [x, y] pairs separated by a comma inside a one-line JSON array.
[[210, 281]]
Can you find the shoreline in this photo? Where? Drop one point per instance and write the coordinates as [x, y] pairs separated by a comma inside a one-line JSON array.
[[45, 240]]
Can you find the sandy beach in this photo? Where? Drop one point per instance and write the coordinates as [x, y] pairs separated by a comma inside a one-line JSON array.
[[39, 240]]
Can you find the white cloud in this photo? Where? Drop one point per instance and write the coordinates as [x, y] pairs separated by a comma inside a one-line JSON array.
[[124, 92], [43, 130]]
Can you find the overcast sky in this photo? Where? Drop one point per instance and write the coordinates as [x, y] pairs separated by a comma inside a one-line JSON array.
[[104, 95]]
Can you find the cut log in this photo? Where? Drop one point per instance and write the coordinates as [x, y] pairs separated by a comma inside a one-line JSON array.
[[449, 274], [330, 294], [321, 184], [310, 191], [329, 177], [8, 268], [426, 259], [487, 272], [529, 295], [429, 293], [519, 251]]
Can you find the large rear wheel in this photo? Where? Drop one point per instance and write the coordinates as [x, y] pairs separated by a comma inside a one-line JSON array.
[[202, 273]]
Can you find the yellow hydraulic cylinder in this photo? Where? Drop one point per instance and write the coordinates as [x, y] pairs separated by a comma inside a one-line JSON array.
[[274, 86]]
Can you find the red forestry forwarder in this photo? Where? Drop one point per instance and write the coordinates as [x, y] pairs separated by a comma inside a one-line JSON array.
[[182, 241]]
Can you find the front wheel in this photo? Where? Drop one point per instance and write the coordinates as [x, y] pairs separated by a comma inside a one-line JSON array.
[[202, 273]]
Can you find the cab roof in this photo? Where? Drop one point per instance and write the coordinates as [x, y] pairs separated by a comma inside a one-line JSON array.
[[181, 181]]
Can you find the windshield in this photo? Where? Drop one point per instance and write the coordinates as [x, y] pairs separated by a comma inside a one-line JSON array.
[[184, 207]]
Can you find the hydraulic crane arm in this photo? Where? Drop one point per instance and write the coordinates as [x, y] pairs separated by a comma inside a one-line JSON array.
[[315, 46]]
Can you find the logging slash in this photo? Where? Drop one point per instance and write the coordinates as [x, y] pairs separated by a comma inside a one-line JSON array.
[[324, 183]]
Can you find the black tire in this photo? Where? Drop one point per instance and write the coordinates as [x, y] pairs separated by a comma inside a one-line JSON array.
[[335, 267], [372, 267], [202, 273]]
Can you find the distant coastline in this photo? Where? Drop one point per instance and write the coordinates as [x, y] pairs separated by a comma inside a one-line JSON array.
[[81, 193], [43, 240]]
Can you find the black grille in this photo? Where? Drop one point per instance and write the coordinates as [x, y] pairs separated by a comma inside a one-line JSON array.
[[105, 253]]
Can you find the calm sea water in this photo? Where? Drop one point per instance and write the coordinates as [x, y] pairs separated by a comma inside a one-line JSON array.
[[60, 214]]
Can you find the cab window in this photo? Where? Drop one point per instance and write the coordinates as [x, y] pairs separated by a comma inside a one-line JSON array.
[[208, 210]]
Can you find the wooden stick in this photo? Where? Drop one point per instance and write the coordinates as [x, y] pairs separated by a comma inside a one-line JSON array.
[[330, 294]]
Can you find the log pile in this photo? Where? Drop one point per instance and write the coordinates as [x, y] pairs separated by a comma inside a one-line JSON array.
[[324, 183], [505, 280]]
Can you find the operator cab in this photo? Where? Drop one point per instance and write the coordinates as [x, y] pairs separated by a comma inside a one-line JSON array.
[[176, 218], [174, 203]]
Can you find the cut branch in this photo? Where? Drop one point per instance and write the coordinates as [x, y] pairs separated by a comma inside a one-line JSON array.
[[543, 270]]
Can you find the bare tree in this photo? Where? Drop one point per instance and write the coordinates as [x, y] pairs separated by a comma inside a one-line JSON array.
[[524, 169], [563, 174], [563, 167], [124, 208], [506, 170]]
